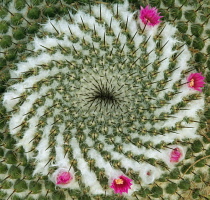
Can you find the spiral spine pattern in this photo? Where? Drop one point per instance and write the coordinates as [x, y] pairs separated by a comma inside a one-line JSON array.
[[101, 94]]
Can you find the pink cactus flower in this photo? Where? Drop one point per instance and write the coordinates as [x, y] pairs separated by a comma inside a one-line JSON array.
[[175, 155], [150, 16], [195, 81], [121, 184], [63, 178]]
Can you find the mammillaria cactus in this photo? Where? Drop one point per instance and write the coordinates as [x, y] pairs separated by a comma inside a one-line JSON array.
[[104, 100]]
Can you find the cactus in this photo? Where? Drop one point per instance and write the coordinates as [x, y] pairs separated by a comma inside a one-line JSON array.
[[101, 100]]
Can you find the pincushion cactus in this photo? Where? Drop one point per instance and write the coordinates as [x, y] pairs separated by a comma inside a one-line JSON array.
[[97, 101]]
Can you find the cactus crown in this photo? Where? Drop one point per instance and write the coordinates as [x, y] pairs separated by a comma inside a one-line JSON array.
[[103, 99]]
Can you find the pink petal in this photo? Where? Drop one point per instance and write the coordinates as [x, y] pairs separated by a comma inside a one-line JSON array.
[[120, 188], [63, 178], [175, 155], [150, 16], [197, 81]]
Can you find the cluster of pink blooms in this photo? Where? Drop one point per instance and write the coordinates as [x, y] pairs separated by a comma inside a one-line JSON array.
[[123, 183], [120, 184], [149, 16]]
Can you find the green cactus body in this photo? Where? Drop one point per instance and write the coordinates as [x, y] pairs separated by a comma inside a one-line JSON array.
[[92, 92]]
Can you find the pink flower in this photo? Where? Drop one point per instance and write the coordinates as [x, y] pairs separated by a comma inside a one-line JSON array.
[[63, 178], [149, 16], [195, 81], [121, 184], [175, 155]]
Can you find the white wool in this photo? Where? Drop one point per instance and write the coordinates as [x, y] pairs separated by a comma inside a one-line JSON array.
[[43, 154], [122, 39], [9, 100], [78, 47], [106, 14], [101, 163], [62, 26], [121, 7], [11, 7], [29, 135], [22, 67], [150, 30], [41, 59], [48, 26], [138, 39], [87, 19], [118, 139], [152, 55], [130, 164], [14, 123], [19, 117], [149, 153], [48, 43], [88, 177], [41, 110], [149, 173], [10, 191], [182, 64], [192, 112], [115, 27], [184, 57], [168, 31], [60, 159], [89, 141], [76, 30], [167, 50], [100, 30], [29, 82], [132, 26], [96, 10], [126, 17], [51, 42], [19, 87], [73, 131]]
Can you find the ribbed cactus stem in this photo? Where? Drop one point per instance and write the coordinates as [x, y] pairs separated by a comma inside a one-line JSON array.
[[102, 100]]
